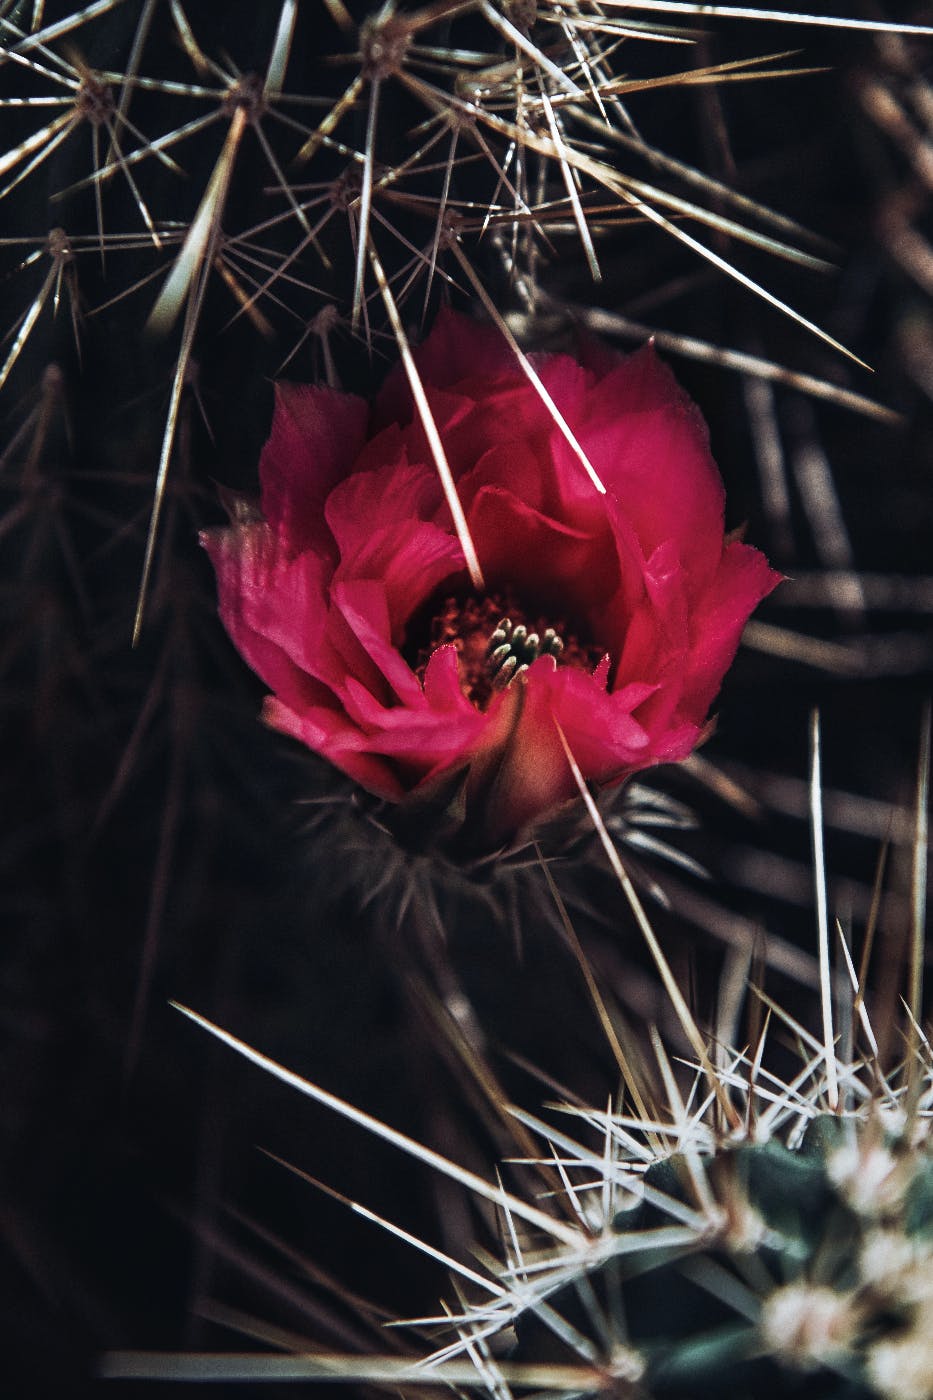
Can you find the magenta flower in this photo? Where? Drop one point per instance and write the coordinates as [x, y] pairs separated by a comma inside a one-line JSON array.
[[614, 615]]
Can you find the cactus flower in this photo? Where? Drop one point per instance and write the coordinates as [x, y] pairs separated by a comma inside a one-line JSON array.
[[611, 617]]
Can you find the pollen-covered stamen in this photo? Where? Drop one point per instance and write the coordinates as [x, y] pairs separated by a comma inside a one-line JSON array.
[[497, 636], [512, 649]]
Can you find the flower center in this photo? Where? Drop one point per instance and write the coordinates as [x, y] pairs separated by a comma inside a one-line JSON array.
[[497, 640], [512, 648]]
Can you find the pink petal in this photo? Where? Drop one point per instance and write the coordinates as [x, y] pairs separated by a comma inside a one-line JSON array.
[[327, 732], [273, 607], [519, 466], [569, 384], [412, 562], [456, 350], [315, 436], [650, 446], [545, 561], [380, 521], [744, 577], [363, 605], [677, 743], [424, 739], [427, 742], [658, 624], [399, 492], [442, 683], [454, 415]]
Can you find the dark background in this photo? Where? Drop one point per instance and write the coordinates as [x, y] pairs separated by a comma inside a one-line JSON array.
[[158, 843]]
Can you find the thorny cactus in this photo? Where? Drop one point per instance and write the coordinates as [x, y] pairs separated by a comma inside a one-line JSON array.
[[739, 1234], [197, 198], [756, 1268], [179, 171]]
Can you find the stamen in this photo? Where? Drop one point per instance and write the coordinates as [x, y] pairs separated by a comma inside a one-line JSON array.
[[485, 637], [505, 674], [512, 649]]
